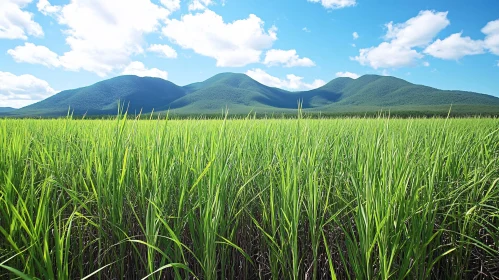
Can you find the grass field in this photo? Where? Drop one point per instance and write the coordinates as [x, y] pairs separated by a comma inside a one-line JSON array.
[[249, 199]]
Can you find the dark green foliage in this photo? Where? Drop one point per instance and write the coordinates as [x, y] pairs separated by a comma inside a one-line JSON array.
[[241, 95]]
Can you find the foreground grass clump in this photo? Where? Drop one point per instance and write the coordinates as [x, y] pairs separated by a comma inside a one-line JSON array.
[[249, 199]]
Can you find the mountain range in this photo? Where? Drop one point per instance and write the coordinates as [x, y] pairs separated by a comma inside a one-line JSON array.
[[241, 94]]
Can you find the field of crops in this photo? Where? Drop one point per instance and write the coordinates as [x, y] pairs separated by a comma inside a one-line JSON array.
[[249, 199]]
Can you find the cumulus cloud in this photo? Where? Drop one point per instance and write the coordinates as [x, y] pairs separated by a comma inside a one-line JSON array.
[[102, 35], [335, 4], [347, 75], [163, 50], [455, 47], [417, 31], [291, 81], [138, 68], [388, 55], [491, 30], [46, 8], [19, 91], [199, 4], [15, 23], [286, 58], [401, 39], [426, 64], [171, 5], [234, 44], [33, 54], [355, 35]]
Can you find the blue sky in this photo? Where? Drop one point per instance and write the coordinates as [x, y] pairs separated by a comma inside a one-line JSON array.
[[48, 46]]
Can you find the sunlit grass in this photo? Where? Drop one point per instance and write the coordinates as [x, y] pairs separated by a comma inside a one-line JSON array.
[[249, 199]]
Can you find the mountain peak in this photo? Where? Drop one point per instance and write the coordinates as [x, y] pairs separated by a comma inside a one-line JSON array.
[[228, 76]]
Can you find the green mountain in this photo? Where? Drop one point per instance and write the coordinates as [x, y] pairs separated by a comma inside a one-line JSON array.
[[383, 91], [133, 92], [241, 94], [233, 91], [6, 109]]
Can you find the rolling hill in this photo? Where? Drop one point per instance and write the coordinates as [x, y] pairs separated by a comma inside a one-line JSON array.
[[242, 94]]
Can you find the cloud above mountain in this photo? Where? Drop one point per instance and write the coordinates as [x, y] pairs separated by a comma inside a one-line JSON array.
[[231, 44]]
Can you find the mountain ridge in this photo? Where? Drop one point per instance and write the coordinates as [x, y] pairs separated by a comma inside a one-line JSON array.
[[242, 94]]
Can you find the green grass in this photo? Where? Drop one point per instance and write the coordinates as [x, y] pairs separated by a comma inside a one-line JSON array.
[[249, 199]]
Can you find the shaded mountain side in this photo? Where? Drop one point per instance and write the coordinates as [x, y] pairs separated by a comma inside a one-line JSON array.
[[240, 93], [133, 92], [6, 109]]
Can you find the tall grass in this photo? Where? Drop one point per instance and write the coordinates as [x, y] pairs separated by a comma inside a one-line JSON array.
[[249, 199]]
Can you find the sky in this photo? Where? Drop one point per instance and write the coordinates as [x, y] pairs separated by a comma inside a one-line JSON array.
[[50, 46]]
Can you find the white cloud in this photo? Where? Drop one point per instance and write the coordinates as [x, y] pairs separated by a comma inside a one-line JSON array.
[[291, 82], [355, 35], [234, 44], [387, 55], [354, 45], [491, 30], [426, 64], [199, 4], [103, 35], [286, 58], [335, 4], [418, 31], [171, 5], [45, 8], [163, 50], [20, 91], [306, 29], [33, 54], [16, 23], [348, 75], [138, 68], [455, 47], [385, 73]]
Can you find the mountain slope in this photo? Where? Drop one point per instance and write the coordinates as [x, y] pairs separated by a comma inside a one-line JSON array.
[[241, 94], [233, 90], [382, 91], [133, 92]]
